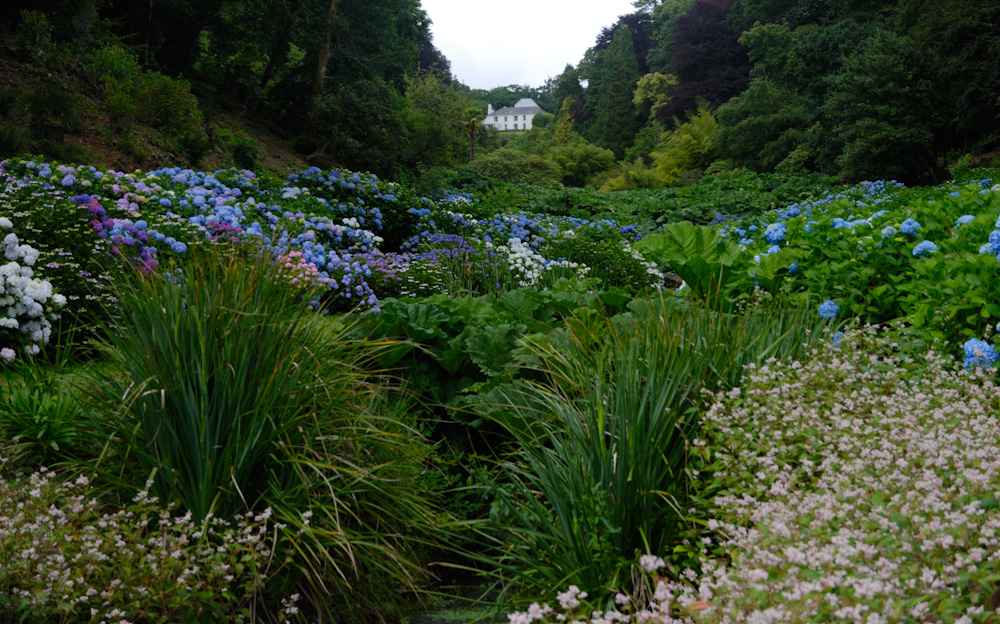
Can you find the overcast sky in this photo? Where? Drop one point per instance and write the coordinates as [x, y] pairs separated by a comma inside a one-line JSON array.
[[493, 43]]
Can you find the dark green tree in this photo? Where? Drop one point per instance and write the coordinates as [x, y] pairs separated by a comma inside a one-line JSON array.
[[615, 115], [761, 126], [884, 109]]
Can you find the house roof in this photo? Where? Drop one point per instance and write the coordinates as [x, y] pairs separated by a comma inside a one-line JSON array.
[[525, 106]]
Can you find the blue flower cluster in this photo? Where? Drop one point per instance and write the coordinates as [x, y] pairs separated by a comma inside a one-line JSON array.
[[909, 227], [992, 245], [828, 309], [924, 248], [978, 353]]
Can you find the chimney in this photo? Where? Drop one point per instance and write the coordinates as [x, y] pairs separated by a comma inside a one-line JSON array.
[[489, 109]]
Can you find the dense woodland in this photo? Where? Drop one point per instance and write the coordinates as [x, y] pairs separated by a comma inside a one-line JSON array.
[[892, 89]]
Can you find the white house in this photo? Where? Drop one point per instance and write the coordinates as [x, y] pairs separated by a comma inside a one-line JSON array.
[[517, 117]]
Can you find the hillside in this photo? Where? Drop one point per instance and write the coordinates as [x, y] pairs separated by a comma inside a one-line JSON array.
[[56, 106]]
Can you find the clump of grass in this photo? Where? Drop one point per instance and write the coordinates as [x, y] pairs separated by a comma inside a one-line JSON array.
[[237, 397], [600, 477]]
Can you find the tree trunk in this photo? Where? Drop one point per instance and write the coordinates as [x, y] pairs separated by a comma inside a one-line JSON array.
[[472, 144], [280, 52], [312, 105]]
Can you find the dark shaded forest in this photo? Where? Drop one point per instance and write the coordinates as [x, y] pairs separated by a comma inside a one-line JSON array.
[[887, 89]]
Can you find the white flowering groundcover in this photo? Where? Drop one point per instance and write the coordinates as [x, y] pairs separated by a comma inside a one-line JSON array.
[[862, 486]]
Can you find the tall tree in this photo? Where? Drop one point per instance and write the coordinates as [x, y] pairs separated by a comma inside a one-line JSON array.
[[322, 59], [884, 108], [615, 114], [709, 61]]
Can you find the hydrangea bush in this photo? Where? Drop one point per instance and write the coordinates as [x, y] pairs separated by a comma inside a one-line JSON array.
[[924, 257], [27, 304]]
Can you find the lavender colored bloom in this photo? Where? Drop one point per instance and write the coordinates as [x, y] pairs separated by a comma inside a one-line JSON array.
[[963, 220]]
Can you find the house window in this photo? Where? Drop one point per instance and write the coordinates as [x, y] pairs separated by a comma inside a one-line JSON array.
[[515, 126], [515, 117], [505, 118], [505, 126], [496, 119]]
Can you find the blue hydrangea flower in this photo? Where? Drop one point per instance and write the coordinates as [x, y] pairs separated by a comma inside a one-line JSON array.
[[909, 227], [793, 269], [828, 309], [963, 220], [837, 337], [978, 353], [888, 231], [775, 233], [924, 248]]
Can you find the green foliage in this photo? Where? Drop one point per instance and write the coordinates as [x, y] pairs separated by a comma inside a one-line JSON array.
[[238, 149], [579, 161], [235, 397], [167, 104], [435, 123], [543, 120], [688, 148], [652, 93], [632, 176], [34, 35], [600, 477], [54, 109], [114, 63], [509, 165], [706, 261], [761, 126], [42, 421], [14, 140], [205, 382], [365, 125], [615, 115], [889, 141], [609, 261]]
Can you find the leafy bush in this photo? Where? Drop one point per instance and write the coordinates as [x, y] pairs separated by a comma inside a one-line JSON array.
[[688, 148], [67, 559], [167, 104], [42, 421], [238, 149], [14, 140], [509, 165], [34, 35], [612, 263]]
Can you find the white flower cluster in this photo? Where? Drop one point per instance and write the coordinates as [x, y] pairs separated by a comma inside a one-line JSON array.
[[528, 265], [23, 298], [650, 266]]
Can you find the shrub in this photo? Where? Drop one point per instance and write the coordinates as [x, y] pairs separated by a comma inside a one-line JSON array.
[[14, 140], [687, 149], [613, 263], [509, 165], [67, 559], [34, 35], [238, 149], [167, 104]]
